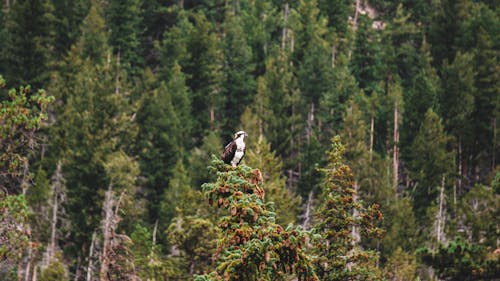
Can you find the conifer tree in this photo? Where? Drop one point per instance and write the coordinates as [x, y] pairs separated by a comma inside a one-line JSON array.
[[204, 74], [431, 161], [238, 85], [366, 63], [159, 141], [338, 255], [30, 38], [124, 20], [252, 246]]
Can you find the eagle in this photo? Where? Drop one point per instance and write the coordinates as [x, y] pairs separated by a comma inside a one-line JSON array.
[[235, 150]]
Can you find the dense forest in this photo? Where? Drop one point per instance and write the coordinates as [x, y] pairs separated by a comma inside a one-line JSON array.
[[371, 151]]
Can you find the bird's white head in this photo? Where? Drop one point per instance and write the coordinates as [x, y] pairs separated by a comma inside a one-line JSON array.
[[240, 134]]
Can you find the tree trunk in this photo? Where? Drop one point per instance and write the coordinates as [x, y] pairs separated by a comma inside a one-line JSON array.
[[334, 53], [56, 189], [106, 231], [308, 212], [356, 14], [310, 122], [395, 152], [441, 216], [284, 32], [372, 132], [90, 267], [493, 160]]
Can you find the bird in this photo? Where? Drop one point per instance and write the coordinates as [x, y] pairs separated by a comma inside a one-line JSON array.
[[235, 150]]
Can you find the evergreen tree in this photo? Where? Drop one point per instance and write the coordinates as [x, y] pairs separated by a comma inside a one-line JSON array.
[[286, 203], [196, 240], [431, 161], [159, 142], [30, 39], [252, 246], [337, 251], [423, 94], [238, 85], [366, 63], [124, 20], [338, 13], [205, 77]]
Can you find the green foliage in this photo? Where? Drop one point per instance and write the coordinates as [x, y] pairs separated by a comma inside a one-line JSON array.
[[124, 21], [338, 217], [286, 203], [401, 266], [477, 213], [21, 116], [30, 38], [196, 240], [55, 271], [253, 246], [14, 229], [238, 84], [460, 260], [431, 161]]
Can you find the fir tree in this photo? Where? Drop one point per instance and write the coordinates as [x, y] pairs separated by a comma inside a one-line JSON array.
[[337, 251]]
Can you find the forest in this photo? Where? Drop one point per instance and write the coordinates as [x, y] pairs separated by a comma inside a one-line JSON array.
[[371, 151]]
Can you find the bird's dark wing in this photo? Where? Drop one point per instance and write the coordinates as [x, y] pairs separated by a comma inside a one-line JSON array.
[[229, 151]]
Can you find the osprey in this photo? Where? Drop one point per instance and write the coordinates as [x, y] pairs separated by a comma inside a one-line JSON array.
[[235, 150]]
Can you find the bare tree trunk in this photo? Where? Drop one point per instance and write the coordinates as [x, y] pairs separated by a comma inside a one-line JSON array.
[[90, 267], [56, 189], [181, 4], [356, 12], [493, 160], [308, 213], [395, 152], [28, 264], [284, 32], [459, 165], [117, 78], [310, 122], [106, 231], [35, 274], [441, 216], [372, 132], [355, 213], [334, 53]]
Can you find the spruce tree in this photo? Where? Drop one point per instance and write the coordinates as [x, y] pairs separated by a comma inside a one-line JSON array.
[[340, 218], [252, 246]]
